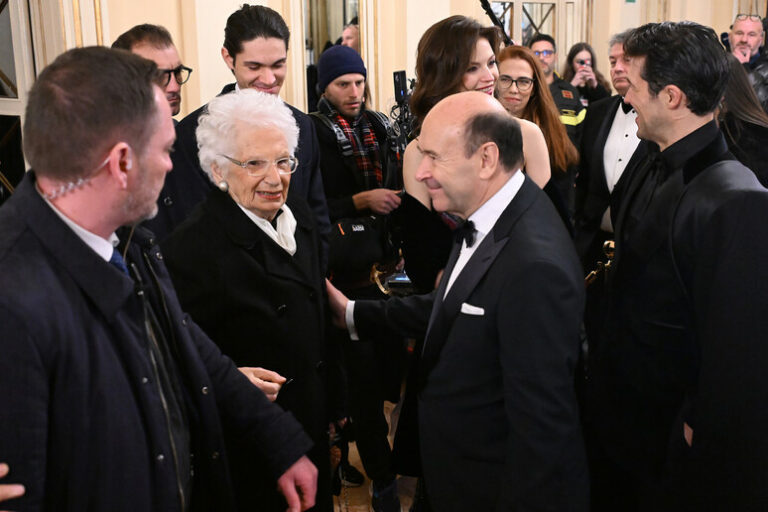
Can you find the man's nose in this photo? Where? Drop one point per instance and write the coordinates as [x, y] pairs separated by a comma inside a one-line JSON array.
[[267, 77]]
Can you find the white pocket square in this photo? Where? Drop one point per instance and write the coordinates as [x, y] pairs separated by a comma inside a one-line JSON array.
[[469, 309]]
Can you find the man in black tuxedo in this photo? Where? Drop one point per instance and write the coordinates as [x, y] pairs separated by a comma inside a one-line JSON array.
[[497, 416], [255, 50], [609, 144], [678, 388]]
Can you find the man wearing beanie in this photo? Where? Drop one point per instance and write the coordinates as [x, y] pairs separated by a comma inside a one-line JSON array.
[[361, 177]]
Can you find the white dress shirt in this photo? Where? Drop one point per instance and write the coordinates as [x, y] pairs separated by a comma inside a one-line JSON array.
[[484, 219], [621, 143], [104, 248]]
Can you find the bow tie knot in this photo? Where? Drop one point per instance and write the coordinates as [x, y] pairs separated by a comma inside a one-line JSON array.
[[466, 232]]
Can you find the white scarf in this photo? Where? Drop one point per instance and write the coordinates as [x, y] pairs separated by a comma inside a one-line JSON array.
[[286, 228]]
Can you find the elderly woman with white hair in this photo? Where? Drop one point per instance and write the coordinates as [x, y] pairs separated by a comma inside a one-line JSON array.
[[246, 267]]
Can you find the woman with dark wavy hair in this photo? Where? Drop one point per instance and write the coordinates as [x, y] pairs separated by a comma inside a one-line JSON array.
[[524, 92], [581, 71], [454, 55], [744, 122]]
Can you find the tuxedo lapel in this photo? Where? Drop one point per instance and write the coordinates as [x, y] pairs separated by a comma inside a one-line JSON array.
[[444, 312]]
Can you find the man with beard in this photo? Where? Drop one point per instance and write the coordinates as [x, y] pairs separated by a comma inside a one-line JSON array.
[[154, 42], [746, 39], [111, 398], [361, 171]]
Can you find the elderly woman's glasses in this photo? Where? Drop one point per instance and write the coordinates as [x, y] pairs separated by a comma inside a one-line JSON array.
[[179, 73], [523, 83], [259, 168]]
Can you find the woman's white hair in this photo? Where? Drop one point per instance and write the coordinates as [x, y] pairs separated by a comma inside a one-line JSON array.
[[225, 113]]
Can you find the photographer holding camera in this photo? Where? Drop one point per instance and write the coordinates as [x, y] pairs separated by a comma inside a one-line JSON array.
[[580, 70]]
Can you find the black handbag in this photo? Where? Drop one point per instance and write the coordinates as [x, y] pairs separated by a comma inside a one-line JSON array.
[[357, 243]]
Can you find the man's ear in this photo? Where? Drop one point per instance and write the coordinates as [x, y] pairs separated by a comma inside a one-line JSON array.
[[120, 163], [228, 59], [673, 97], [489, 159]]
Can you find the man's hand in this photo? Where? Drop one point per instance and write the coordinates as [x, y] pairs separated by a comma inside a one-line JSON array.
[[338, 304], [9, 491], [378, 200], [741, 54], [266, 380], [299, 485]]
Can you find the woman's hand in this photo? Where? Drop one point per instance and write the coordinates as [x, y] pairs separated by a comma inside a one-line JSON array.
[[266, 380]]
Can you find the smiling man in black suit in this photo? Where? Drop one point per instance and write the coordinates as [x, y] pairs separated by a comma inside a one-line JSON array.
[[497, 416]]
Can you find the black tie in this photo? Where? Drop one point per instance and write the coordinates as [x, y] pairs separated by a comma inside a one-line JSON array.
[[118, 261], [626, 107], [466, 232]]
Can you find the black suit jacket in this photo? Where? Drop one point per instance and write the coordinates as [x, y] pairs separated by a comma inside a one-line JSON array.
[[262, 307], [81, 417], [686, 338], [187, 185], [497, 415], [592, 195]]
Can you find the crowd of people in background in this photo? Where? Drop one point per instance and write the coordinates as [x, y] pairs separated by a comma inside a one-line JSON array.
[[214, 337]]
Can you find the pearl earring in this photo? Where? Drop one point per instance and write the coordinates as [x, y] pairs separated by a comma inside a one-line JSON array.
[[223, 186]]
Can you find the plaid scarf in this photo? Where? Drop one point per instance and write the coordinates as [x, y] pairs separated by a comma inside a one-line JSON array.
[[365, 151]]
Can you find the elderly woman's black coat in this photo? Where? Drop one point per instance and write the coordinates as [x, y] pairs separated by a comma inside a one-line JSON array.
[[263, 307]]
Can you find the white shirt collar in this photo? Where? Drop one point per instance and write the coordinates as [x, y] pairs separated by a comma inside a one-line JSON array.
[[284, 235], [104, 248], [486, 216]]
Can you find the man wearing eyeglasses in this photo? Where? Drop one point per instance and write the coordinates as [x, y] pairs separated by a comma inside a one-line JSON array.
[[154, 42], [566, 96]]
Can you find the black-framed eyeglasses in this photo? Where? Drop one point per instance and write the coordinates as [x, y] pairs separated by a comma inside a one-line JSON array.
[[523, 83], [751, 17], [180, 74], [258, 168], [545, 53]]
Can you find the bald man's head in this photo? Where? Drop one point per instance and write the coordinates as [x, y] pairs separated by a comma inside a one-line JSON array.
[[470, 147]]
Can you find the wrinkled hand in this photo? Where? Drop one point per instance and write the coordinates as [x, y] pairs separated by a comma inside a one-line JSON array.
[[299, 485], [266, 380], [741, 54], [378, 200], [338, 304], [9, 491]]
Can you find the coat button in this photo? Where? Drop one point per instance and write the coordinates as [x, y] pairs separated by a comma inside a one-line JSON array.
[[319, 365], [167, 201], [312, 295], [204, 390], [159, 255], [215, 455], [160, 458], [183, 321], [144, 380], [151, 241], [281, 309]]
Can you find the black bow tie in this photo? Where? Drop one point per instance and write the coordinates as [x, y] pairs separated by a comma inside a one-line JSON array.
[[466, 232], [626, 107]]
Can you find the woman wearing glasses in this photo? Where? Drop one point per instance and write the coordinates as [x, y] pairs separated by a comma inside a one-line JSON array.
[[581, 71], [523, 91], [245, 265]]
